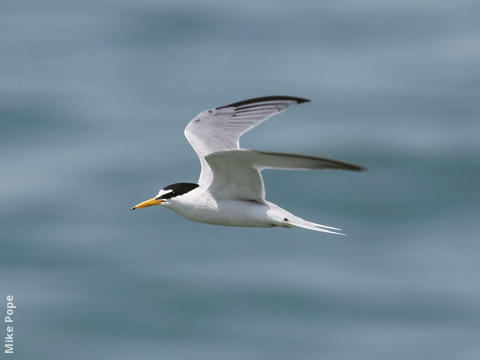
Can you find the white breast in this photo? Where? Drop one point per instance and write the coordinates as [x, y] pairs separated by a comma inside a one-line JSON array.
[[199, 205]]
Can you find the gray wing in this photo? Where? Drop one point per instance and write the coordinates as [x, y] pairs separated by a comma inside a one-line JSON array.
[[220, 128], [236, 173]]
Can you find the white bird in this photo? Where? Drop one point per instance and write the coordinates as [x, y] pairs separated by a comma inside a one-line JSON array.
[[230, 190]]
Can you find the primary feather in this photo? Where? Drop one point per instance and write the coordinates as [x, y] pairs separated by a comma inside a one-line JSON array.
[[220, 128]]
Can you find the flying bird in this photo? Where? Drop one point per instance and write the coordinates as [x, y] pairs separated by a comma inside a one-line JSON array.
[[230, 190]]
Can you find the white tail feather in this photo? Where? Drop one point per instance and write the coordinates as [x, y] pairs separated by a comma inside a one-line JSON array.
[[301, 223]]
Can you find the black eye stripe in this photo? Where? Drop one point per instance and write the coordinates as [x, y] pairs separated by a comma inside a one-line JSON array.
[[168, 196], [178, 189]]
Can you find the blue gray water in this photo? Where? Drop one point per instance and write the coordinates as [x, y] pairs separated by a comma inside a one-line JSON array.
[[94, 97]]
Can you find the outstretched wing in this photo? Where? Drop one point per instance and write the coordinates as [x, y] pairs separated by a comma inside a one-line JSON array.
[[220, 128], [236, 173]]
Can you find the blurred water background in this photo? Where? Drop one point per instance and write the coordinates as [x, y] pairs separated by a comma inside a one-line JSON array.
[[94, 97]]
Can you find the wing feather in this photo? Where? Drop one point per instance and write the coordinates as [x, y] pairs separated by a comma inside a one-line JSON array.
[[237, 173], [220, 129]]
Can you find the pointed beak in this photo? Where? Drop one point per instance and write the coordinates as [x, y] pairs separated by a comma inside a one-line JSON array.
[[149, 202]]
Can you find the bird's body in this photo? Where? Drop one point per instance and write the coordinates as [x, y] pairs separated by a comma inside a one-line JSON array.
[[230, 189], [201, 206]]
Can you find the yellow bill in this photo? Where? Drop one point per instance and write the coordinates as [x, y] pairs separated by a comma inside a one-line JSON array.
[[149, 202]]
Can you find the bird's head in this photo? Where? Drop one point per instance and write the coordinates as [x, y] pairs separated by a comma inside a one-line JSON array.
[[165, 195]]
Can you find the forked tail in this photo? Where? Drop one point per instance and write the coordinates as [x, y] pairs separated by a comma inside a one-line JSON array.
[[301, 223]]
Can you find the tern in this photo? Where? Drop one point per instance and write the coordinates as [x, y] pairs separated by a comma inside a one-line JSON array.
[[230, 190]]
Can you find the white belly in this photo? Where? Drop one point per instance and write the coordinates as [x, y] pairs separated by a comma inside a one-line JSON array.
[[226, 212]]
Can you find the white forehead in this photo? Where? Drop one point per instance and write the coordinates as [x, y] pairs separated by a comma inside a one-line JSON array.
[[163, 192]]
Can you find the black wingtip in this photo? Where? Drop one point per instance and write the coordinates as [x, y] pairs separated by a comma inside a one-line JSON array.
[[351, 167], [298, 100], [359, 168]]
